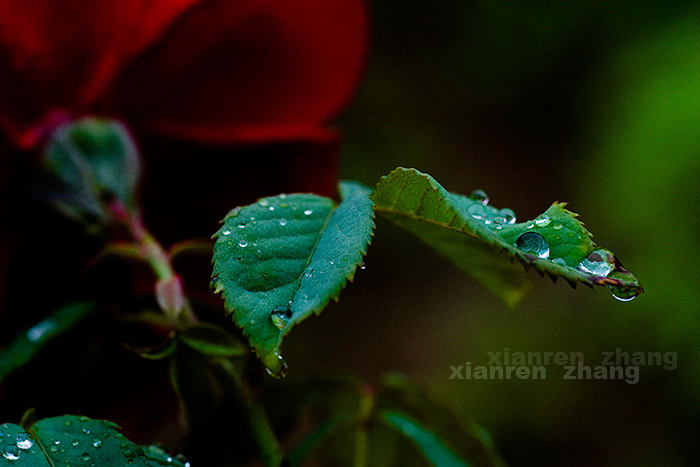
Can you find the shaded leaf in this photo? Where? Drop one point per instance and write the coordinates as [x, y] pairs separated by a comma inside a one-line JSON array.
[[72, 440], [211, 339], [283, 258], [196, 385], [300, 455], [430, 445], [485, 242], [26, 345], [93, 160]]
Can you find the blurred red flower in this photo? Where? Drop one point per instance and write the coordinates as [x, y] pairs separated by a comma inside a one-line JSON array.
[[212, 71]]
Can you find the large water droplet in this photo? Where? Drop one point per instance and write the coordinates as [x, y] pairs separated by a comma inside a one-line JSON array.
[[480, 196], [243, 244], [227, 232], [24, 441], [507, 215], [600, 263], [543, 221], [280, 316], [282, 371], [477, 211], [533, 243], [624, 294], [216, 285], [11, 452]]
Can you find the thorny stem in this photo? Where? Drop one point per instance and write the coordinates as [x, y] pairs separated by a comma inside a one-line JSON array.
[[157, 258]]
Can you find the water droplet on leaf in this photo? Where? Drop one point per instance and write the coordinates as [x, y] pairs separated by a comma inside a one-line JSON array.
[[600, 263], [216, 285], [480, 196], [282, 372], [308, 212], [11, 452], [543, 221], [533, 243], [477, 211], [624, 294], [243, 244], [97, 442], [24, 441], [559, 261], [508, 215], [271, 208], [86, 457], [227, 232], [529, 224], [280, 316], [283, 222], [263, 202], [557, 225]]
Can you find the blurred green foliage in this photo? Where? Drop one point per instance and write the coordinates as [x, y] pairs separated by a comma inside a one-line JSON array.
[[597, 104]]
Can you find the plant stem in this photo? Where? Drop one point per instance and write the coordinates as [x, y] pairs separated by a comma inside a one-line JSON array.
[[157, 258], [364, 413]]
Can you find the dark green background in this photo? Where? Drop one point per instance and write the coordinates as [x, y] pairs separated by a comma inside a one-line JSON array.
[[590, 103]]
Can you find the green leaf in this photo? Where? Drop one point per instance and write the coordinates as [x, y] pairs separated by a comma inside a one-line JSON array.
[[283, 258], [93, 160], [433, 424], [430, 445], [484, 241], [26, 345], [72, 440], [211, 339]]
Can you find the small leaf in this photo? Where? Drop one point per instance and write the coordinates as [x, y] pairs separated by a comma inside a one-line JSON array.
[[26, 345], [484, 241], [72, 440], [211, 339], [283, 258]]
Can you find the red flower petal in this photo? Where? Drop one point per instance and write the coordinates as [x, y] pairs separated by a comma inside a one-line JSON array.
[[62, 54], [248, 71]]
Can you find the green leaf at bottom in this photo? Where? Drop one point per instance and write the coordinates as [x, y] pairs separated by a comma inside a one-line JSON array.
[[75, 441]]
